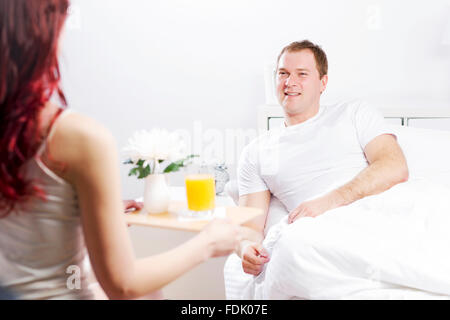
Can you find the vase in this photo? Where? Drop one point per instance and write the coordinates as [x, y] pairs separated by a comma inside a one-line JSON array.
[[156, 194]]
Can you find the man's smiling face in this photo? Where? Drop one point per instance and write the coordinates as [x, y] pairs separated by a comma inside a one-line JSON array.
[[298, 82]]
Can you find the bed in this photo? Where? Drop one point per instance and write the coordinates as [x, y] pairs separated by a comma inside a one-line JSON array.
[[412, 267]]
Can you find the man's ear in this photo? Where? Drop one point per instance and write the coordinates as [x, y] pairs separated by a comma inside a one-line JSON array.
[[323, 83]]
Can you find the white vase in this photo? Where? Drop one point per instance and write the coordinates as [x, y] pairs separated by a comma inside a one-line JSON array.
[[156, 194]]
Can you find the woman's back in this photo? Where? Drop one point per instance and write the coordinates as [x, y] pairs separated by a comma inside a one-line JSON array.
[[40, 240], [42, 250]]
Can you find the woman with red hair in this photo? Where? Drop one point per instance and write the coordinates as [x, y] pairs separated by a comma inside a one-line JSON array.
[[59, 180]]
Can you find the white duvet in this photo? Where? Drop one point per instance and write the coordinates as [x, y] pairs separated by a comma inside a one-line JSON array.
[[395, 245]]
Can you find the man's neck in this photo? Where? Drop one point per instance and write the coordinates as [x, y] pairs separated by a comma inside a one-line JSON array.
[[293, 119]]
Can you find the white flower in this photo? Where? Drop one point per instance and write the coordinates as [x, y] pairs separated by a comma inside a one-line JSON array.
[[157, 144]]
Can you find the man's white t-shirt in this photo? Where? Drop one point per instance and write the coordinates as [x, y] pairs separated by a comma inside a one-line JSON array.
[[307, 160]]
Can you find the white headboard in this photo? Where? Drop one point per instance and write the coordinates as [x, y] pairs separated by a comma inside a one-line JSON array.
[[400, 116]]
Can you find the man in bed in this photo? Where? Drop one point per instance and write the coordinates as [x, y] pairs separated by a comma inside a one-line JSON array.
[[324, 157]]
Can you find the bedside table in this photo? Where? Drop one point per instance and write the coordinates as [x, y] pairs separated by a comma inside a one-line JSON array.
[[205, 281], [170, 220]]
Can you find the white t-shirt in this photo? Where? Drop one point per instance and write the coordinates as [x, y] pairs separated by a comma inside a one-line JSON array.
[[304, 161]]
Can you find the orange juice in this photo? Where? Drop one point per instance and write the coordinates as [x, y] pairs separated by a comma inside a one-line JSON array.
[[200, 192]]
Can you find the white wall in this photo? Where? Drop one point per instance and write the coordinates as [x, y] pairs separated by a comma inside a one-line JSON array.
[[140, 64]]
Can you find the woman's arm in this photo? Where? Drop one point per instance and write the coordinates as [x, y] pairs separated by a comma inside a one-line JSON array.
[[89, 152]]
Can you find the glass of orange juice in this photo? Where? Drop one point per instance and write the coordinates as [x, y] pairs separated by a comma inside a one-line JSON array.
[[200, 192]]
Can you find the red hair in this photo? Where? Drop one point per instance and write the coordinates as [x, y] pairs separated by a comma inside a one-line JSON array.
[[29, 76]]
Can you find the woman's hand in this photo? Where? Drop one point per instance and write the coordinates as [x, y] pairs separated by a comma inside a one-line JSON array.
[[222, 236], [131, 205]]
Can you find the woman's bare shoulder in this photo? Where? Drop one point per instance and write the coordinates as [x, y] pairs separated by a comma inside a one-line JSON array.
[[78, 125], [78, 138]]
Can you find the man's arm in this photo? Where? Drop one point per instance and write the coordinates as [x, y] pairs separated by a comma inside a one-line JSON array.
[[258, 200], [387, 167], [250, 249]]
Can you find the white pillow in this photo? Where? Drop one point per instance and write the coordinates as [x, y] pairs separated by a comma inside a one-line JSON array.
[[427, 152]]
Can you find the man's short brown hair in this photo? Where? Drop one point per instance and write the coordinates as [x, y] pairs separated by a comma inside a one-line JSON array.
[[319, 54]]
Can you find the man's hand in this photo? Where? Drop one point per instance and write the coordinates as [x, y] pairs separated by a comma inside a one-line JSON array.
[[312, 208], [254, 256]]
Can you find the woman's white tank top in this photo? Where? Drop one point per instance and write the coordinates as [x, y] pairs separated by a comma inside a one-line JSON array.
[[42, 249]]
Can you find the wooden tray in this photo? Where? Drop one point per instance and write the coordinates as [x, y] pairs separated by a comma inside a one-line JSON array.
[[170, 220]]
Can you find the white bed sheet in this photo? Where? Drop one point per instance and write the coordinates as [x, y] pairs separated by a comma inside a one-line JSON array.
[[394, 245]]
